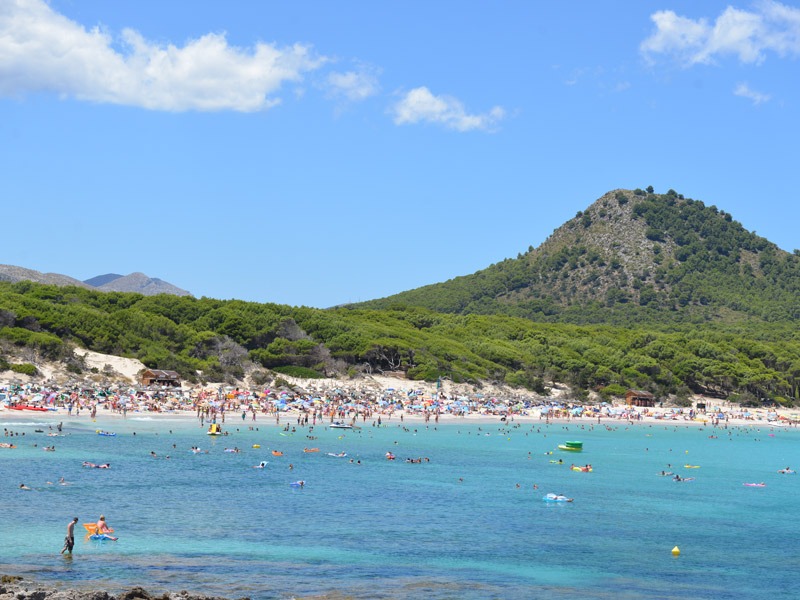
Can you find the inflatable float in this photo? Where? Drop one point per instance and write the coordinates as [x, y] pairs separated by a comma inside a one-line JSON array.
[[214, 429], [309, 450], [755, 484], [91, 529], [586, 469], [556, 498], [105, 433], [571, 446], [277, 453], [297, 484]]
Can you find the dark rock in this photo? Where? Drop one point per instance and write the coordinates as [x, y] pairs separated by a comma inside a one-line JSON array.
[[12, 587], [136, 594]]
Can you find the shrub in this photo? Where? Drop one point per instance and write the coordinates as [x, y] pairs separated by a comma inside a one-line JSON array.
[[613, 390], [281, 382], [302, 372], [25, 369], [261, 377]]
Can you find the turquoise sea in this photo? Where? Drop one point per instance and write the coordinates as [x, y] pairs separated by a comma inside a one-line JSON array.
[[455, 527]]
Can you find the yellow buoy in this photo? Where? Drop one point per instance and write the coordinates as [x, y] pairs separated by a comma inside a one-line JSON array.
[[256, 445], [676, 551]]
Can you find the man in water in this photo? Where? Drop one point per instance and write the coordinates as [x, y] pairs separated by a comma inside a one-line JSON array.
[[69, 541]]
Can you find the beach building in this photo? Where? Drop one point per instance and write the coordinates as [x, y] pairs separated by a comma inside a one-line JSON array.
[[150, 377], [640, 398]]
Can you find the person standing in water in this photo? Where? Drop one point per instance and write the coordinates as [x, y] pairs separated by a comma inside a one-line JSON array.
[[69, 540]]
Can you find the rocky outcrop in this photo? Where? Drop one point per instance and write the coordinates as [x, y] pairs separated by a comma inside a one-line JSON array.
[[13, 587]]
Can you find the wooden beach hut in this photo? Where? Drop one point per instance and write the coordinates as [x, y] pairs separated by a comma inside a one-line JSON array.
[[640, 398], [150, 377]]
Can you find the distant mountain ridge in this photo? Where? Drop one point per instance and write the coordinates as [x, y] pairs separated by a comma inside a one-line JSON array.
[[632, 257], [102, 279], [142, 284], [111, 282]]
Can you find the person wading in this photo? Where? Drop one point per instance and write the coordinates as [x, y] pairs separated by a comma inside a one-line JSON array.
[[69, 540]]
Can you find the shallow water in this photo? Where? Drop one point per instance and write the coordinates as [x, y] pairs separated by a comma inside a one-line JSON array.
[[387, 529]]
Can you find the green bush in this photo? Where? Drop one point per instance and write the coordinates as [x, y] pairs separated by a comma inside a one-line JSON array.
[[302, 372], [613, 390], [25, 369]]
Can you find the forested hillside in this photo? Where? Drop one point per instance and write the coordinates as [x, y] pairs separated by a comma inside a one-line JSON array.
[[212, 340], [631, 258]]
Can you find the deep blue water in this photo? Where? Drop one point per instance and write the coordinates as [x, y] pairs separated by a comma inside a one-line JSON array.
[[455, 527]]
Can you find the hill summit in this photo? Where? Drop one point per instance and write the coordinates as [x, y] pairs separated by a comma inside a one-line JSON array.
[[632, 256], [111, 282]]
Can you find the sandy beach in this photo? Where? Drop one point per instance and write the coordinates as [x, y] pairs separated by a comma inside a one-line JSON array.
[[362, 400]]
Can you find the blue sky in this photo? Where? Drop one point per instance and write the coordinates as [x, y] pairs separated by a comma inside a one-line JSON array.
[[318, 153]]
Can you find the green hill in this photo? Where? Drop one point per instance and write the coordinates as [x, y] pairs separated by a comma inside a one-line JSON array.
[[640, 290], [211, 340], [632, 257]]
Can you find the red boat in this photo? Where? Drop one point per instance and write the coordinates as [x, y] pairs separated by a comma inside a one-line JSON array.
[[26, 407]]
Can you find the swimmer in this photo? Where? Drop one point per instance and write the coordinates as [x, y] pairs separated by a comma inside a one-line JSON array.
[[260, 465]]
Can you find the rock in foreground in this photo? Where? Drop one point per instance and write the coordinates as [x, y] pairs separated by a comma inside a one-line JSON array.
[[13, 587]]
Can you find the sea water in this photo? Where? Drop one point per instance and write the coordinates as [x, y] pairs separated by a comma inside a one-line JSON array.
[[468, 523]]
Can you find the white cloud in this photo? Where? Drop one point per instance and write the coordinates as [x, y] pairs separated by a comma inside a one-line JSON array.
[[41, 50], [353, 85], [420, 105], [744, 91], [748, 35]]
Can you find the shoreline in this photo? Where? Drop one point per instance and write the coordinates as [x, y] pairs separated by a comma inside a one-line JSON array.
[[51, 417]]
